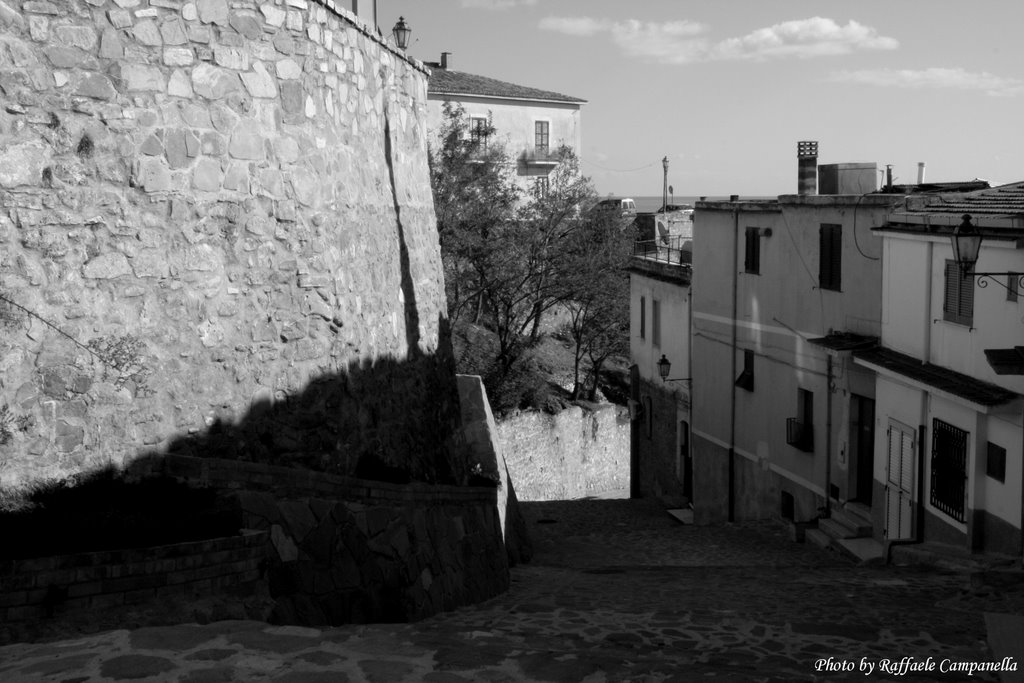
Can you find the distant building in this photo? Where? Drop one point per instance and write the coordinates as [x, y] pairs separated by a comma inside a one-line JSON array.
[[950, 375], [531, 123], [659, 331]]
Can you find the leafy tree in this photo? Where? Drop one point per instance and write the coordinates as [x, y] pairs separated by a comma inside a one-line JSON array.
[[473, 194], [596, 295]]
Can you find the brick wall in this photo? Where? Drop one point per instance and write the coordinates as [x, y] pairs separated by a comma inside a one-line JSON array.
[[220, 218]]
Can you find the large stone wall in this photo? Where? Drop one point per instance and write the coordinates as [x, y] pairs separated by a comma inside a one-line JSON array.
[[217, 237], [582, 451]]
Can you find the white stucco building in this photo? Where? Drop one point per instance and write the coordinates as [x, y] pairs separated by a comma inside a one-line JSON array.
[[531, 123], [950, 440]]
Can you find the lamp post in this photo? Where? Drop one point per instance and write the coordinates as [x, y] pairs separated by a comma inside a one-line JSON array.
[[401, 32], [664, 203], [966, 241]]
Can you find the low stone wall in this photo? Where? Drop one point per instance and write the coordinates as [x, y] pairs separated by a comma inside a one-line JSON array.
[[59, 585], [347, 550], [580, 452]]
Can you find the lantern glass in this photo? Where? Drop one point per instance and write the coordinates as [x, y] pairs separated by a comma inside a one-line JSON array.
[[664, 366], [401, 32], [966, 244]]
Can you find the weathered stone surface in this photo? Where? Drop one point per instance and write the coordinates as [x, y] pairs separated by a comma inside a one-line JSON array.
[[141, 77], [153, 175], [107, 266], [172, 31], [288, 69], [273, 15], [179, 85], [259, 82], [246, 144], [22, 163], [110, 45], [213, 11], [178, 56], [247, 25], [213, 82], [147, 33], [96, 86], [82, 37], [206, 176]]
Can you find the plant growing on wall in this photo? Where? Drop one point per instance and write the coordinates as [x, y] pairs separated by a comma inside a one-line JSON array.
[[12, 423], [121, 355]]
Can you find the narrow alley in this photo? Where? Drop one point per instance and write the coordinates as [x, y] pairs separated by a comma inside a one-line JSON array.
[[617, 591]]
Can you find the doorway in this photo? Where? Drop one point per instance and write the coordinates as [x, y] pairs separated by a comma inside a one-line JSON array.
[[862, 447]]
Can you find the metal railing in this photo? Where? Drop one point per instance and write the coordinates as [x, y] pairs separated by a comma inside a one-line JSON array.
[[541, 155], [664, 249]]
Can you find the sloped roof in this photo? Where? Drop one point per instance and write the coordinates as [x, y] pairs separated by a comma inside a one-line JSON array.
[[1004, 200], [936, 376], [448, 82]]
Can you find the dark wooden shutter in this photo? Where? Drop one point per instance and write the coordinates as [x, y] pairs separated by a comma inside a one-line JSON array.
[[752, 262], [958, 298], [830, 257]]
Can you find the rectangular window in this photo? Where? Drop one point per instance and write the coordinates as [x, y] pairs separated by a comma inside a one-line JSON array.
[[752, 254], [541, 136], [958, 303], [656, 322], [478, 131], [995, 466], [643, 317], [830, 263], [800, 429], [949, 469], [1012, 286], [746, 378]]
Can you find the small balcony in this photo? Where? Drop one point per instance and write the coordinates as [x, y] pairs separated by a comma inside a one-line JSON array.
[[800, 435], [540, 156], [665, 249]]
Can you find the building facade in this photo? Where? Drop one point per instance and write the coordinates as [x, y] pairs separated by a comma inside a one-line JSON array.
[[531, 123], [949, 382], [784, 291], [660, 462]]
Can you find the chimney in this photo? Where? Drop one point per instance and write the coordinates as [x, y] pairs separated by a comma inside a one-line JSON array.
[[920, 173], [807, 167], [888, 177], [444, 59]]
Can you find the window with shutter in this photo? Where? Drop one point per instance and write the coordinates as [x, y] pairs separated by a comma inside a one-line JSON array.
[[752, 254], [656, 322], [643, 317], [830, 262], [958, 302], [949, 469]]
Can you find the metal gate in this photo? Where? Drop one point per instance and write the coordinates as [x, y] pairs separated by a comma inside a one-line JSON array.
[[899, 482]]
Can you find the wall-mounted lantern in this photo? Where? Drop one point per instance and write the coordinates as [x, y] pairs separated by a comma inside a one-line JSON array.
[[664, 367], [401, 32]]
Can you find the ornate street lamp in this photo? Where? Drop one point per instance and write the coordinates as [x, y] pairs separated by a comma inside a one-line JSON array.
[[966, 242], [401, 32], [966, 245], [664, 366]]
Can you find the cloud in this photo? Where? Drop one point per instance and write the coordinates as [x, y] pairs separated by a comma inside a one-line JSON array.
[[496, 4], [684, 42], [956, 79]]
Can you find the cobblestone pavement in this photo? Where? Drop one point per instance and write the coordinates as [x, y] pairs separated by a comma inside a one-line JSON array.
[[618, 591]]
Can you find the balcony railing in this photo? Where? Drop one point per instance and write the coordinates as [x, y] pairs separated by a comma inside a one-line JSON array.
[[800, 435], [541, 156], [664, 249]]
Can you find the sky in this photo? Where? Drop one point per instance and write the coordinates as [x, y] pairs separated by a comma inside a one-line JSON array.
[[726, 88]]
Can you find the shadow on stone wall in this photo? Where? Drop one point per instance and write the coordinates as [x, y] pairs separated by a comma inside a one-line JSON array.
[[383, 419]]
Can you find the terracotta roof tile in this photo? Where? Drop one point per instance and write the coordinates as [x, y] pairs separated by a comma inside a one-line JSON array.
[[1004, 200], [448, 82]]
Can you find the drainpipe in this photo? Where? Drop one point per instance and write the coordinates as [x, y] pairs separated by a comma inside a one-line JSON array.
[[828, 435], [732, 374], [926, 346]]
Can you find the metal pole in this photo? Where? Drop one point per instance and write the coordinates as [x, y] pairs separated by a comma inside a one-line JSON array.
[[828, 437], [664, 200]]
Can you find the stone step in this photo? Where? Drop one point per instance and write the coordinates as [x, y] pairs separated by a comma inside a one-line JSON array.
[[862, 550], [836, 529], [853, 522], [818, 538], [859, 510]]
